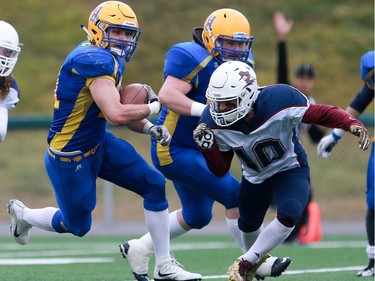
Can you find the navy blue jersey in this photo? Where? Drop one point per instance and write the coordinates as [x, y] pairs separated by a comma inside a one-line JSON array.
[[190, 62], [78, 123]]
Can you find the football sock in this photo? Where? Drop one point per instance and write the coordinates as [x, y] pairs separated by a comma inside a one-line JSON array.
[[41, 218], [175, 230], [158, 226], [250, 237], [232, 225], [270, 237]]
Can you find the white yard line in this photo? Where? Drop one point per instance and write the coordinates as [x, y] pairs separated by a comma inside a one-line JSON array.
[[36, 261]]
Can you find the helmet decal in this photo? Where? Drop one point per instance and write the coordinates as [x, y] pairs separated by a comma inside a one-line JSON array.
[[245, 75]]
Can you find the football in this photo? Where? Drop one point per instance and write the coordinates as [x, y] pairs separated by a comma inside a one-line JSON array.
[[134, 93]]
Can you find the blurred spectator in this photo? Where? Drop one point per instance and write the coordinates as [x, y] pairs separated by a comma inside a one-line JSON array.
[[304, 80]]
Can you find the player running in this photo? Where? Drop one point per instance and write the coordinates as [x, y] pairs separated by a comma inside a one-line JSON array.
[[81, 150]]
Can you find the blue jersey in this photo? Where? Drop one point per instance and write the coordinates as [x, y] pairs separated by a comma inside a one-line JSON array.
[[270, 144], [366, 94], [78, 123], [192, 63]]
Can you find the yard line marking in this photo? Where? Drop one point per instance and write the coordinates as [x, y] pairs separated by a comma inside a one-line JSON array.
[[302, 271], [53, 261], [174, 245]]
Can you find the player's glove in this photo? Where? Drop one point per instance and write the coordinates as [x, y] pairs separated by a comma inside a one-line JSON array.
[[362, 134], [153, 100], [203, 136], [161, 133], [151, 94], [327, 143]]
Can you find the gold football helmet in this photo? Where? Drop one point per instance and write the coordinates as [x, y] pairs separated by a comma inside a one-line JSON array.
[[223, 30], [118, 15]]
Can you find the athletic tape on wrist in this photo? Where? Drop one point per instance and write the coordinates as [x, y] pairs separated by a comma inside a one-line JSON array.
[[147, 127], [197, 109]]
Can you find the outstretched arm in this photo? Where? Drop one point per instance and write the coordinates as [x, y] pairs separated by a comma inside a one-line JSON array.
[[335, 117]]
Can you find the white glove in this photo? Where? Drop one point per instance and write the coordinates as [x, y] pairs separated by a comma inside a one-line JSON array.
[[203, 137], [362, 134], [151, 94], [326, 145], [161, 133], [153, 100]]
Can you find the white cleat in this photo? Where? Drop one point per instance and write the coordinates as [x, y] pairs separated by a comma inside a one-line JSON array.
[[138, 258], [19, 229], [366, 272], [173, 271], [272, 267]]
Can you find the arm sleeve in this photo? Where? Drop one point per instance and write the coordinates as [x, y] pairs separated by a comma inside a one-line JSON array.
[[282, 66], [217, 161], [362, 99], [329, 116]]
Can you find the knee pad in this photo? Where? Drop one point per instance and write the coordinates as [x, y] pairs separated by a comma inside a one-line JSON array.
[[290, 212], [154, 196], [197, 220]]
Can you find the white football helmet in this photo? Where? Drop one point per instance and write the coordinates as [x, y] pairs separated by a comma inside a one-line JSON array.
[[232, 81], [9, 48]]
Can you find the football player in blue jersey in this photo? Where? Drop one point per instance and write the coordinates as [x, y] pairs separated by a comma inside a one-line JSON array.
[[356, 108], [10, 48], [81, 149], [225, 36], [258, 125]]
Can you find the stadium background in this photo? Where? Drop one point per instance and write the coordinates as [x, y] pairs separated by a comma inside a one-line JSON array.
[[332, 35]]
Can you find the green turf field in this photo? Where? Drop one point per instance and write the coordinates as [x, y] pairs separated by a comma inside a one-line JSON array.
[[65, 258]]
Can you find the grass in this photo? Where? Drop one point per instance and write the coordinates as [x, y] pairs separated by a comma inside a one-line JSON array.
[[97, 258]]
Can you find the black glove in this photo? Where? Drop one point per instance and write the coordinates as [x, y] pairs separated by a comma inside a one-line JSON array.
[[362, 134], [203, 136]]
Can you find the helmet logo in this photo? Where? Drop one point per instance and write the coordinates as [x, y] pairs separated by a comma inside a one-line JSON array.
[[94, 15], [245, 75], [209, 24]]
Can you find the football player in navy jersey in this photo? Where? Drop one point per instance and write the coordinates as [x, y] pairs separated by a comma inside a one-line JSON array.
[[356, 108], [225, 36], [81, 150], [10, 48], [258, 125]]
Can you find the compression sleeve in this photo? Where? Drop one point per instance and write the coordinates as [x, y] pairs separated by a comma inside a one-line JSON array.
[[218, 161], [362, 99], [329, 116]]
